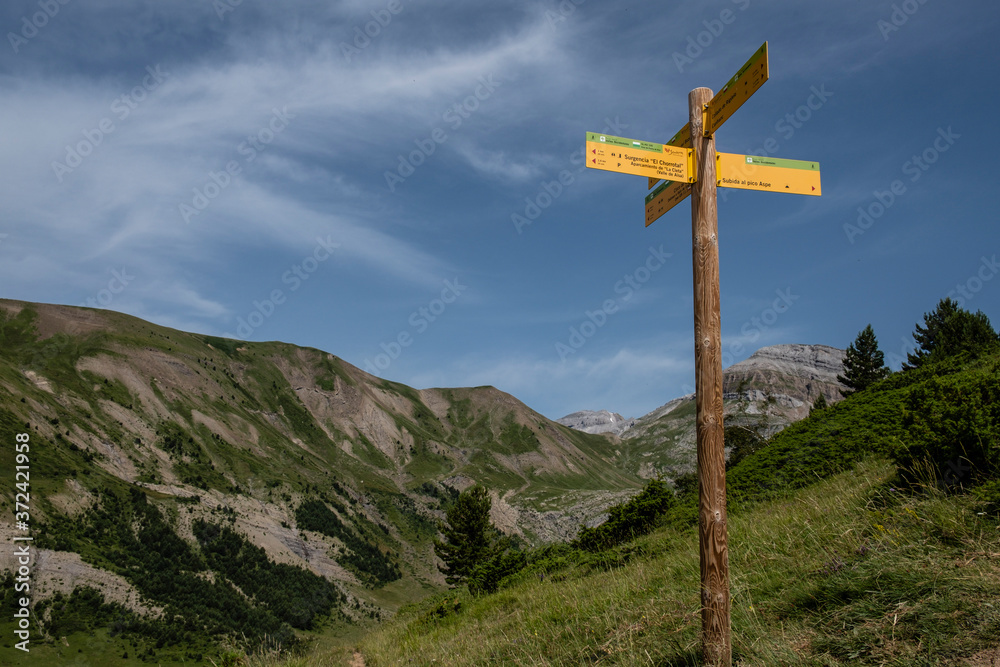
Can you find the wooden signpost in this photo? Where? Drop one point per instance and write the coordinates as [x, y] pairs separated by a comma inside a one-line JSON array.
[[706, 171]]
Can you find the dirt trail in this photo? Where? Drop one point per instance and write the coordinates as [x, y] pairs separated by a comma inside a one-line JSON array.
[[358, 660]]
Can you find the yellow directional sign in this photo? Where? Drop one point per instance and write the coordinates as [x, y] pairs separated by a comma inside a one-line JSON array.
[[664, 198], [750, 172], [682, 139], [737, 90], [640, 158]]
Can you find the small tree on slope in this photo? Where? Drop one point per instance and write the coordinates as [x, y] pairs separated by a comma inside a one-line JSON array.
[[469, 536], [864, 363]]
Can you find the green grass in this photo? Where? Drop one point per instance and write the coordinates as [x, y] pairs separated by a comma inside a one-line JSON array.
[[846, 572], [97, 648], [426, 465]]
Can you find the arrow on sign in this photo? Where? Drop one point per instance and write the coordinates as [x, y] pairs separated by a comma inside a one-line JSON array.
[[664, 198], [752, 172], [640, 158]]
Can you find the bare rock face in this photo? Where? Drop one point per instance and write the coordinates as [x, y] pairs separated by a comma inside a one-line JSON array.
[[596, 421], [782, 379], [791, 376]]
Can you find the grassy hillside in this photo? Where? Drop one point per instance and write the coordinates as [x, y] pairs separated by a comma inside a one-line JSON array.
[[961, 392], [848, 571], [762, 395], [164, 464]]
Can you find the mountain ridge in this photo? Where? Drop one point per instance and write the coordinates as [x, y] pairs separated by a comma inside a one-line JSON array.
[[770, 367], [596, 421], [246, 435]]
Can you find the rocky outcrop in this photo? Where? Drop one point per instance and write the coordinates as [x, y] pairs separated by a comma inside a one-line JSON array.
[[791, 377]]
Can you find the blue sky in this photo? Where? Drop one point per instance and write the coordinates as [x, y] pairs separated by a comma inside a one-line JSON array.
[[349, 176]]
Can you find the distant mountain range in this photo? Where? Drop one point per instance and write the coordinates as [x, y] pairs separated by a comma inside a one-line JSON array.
[[776, 385]]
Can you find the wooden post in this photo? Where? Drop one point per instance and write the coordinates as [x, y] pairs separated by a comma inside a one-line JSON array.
[[715, 602]]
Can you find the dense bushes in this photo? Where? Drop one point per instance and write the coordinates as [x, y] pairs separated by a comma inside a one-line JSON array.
[[638, 516], [445, 494], [294, 595], [85, 610], [498, 560], [953, 430], [939, 418], [827, 442], [486, 577]]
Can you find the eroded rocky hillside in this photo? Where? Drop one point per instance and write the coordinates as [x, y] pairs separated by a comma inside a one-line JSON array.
[[199, 442]]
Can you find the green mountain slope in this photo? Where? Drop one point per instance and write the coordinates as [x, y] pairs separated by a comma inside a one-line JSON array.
[[164, 463]]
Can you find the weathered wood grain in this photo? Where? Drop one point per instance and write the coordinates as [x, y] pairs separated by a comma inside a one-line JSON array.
[[715, 601]]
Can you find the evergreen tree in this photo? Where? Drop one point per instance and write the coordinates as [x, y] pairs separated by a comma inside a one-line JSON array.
[[949, 330], [469, 537], [505, 561], [864, 363], [742, 441], [746, 432]]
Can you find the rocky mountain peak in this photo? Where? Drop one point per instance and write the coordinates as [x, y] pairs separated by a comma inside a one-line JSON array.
[[794, 371]]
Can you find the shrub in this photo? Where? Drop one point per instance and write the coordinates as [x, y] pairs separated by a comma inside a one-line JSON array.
[[488, 575], [638, 516], [989, 493], [953, 427]]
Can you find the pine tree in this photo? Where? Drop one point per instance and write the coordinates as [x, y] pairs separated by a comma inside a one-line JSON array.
[[746, 432], [949, 330], [469, 536], [864, 363]]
